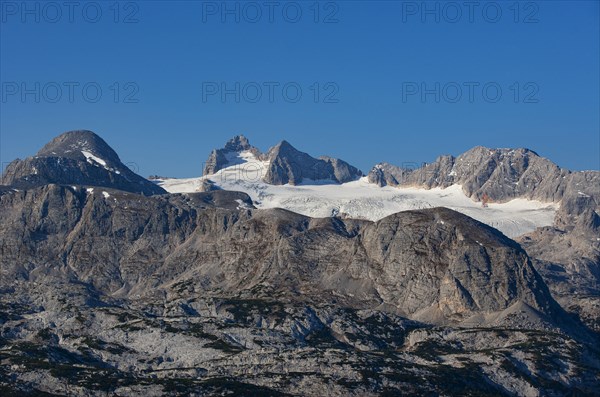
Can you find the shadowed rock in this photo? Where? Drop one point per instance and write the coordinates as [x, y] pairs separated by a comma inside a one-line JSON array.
[[77, 158], [285, 164], [218, 158], [435, 260], [289, 165]]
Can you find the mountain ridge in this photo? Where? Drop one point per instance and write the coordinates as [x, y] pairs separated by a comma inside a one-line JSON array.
[[77, 157], [284, 163], [288, 241], [110, 291]]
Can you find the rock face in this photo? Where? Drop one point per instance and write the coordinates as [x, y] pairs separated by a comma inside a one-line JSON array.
[[506, 174], [207, 186], [567, 254], [285, 164], [110, 292], [220, 158], [385, 174], [502, 174], [342, 171], [457, 266], [568, 257], [202, 293], [289, 165], [77, 158], [569, 262]]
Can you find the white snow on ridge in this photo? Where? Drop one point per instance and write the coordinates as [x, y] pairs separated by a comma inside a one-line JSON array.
[[89, 156], [243, 167], [175, 185], [361, 199], [95, 160]]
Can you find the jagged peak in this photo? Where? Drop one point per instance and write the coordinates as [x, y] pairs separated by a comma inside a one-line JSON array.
[[284, 144], [445, 157], [237, 144], [501, 151], [72, 144], [283, 147], [79, 157], [477, 151], [381, 165]]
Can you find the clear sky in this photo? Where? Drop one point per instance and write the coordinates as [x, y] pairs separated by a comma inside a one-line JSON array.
[[379, 81]]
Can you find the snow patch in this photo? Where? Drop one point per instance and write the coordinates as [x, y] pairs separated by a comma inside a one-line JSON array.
[[90, 157], [242, 205], [362, 199]]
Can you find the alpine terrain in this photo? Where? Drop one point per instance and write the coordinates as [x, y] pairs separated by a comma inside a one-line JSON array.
[[278, 273]]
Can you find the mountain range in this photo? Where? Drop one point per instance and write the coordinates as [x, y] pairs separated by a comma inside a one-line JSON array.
[[76, 157], [113, 284], [286, 164]]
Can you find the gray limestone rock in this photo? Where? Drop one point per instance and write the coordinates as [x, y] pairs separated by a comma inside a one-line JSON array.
[[433, 260], [219, 159], [202, 293], [105, 291], [286, 164], [77, 158], [567, 254], [503, 175], [289, 165], [342, 171]]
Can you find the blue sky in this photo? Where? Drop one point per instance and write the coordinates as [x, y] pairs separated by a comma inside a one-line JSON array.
[[379, 81]]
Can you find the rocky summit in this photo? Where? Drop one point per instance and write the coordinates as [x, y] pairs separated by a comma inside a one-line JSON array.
[[289, 165], [283, 163], [499, 174], [77, 157], [220, 158], [110, 290]]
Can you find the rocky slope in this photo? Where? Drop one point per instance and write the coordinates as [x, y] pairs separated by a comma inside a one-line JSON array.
[[569, 261], [566, 254], [105, 291], [457, 266], [284, 163], [288, 165], [501, 174], [203, 292], [77, 158], [219, 158]]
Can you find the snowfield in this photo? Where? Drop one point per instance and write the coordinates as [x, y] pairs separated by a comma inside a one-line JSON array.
[[361, 199], [89, 156]]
